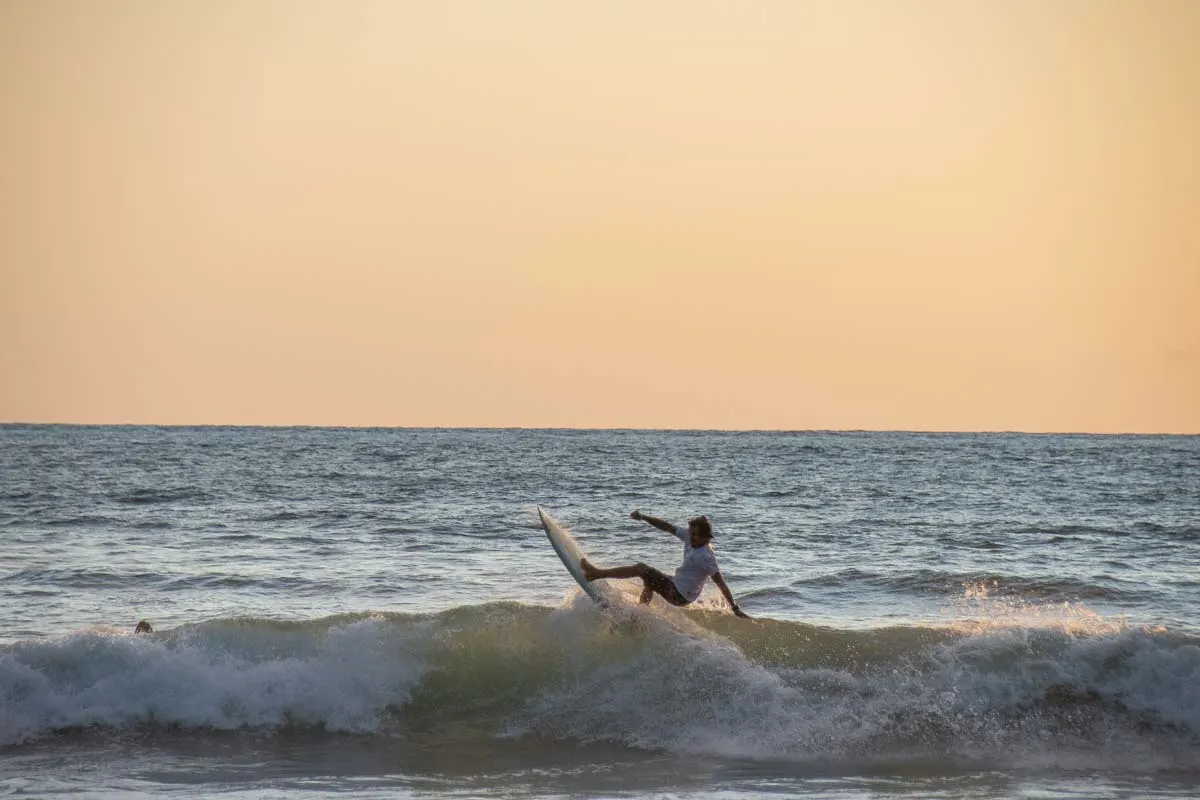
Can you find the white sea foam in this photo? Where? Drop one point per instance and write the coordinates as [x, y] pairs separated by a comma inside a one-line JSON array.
[[221, 676]]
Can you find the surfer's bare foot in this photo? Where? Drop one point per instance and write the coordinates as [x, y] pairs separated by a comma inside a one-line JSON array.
[[589, 571]]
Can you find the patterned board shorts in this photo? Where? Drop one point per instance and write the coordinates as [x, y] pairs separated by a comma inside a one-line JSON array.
[[656, 581]]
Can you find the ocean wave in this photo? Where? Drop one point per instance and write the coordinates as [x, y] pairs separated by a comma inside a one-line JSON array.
[[80, 520], [685, 682], [153, 525], [78, 578], [159, 495], [73, 579], [1070, 530], [952, 584], [283, 516], [291, 584], [1034, 588], [1145, 528]]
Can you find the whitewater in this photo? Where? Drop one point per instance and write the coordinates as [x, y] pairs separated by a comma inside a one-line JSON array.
[[378, 611]]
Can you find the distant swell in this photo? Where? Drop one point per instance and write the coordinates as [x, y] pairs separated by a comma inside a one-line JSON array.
[[766, 689], [952, 584], [162, 495]]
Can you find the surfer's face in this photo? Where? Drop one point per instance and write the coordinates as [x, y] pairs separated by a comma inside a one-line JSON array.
[[698, 536], [699, 531]]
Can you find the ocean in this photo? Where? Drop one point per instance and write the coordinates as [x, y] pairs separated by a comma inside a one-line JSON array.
[[378, 611]]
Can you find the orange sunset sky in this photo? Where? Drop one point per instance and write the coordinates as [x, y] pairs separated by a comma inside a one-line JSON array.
[[882, 214]]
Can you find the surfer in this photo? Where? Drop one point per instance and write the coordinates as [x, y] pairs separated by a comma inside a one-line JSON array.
[[699, 564]]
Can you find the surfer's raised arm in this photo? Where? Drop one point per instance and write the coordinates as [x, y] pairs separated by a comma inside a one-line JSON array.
[[661, 524]]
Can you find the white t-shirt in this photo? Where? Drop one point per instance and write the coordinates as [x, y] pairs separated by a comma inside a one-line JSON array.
[[699, 564]]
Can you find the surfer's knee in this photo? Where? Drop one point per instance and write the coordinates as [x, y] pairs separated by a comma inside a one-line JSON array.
[[641, 568]]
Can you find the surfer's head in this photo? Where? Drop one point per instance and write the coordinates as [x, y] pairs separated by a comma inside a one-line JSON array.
[[143, 627], [700, 531]]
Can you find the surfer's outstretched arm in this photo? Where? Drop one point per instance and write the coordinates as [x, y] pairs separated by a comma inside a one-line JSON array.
[[661, 524], [724, 587]]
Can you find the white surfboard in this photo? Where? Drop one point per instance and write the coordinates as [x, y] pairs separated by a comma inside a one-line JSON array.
[[569, 551]]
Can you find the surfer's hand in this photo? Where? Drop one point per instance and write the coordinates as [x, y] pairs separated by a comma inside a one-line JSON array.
[[636, 515], [737, 612]]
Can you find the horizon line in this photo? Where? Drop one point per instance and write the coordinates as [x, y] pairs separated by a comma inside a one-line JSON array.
[[615, 429]]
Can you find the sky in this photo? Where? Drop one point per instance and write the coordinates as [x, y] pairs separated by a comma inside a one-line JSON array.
[[799, 214]]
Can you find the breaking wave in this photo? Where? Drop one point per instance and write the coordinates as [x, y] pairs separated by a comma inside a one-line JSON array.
[[687, 682]]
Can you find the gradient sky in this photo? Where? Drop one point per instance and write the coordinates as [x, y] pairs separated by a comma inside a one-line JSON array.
[[895, 214]]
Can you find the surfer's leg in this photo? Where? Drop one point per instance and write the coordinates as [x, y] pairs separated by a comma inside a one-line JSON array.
[[632, 571], [652, 580]]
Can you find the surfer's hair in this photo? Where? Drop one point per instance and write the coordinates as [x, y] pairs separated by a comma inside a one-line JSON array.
[[701, 525]]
